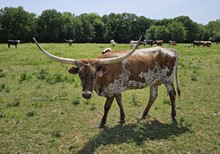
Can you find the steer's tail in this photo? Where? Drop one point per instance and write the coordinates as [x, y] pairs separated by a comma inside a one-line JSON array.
[[177, 84]]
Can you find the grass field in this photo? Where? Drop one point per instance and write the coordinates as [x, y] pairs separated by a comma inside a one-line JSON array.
[[42, 111]]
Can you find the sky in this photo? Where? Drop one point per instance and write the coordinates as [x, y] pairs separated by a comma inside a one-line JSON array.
[[200, 11]]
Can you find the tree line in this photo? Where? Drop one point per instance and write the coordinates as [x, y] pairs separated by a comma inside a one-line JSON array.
[[54, 26]]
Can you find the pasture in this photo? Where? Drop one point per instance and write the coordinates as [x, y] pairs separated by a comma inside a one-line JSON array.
[[42, 111]]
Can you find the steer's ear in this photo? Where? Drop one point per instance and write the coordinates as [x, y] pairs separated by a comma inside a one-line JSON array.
[[73, 70], [101, 70]]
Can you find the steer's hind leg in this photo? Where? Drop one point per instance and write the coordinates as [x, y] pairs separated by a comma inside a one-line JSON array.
[[153, 96], [122, 114], [172, 93], [108, 104]]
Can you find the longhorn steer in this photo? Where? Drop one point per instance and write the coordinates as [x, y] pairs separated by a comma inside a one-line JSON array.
[[115, 72], [70, 41]]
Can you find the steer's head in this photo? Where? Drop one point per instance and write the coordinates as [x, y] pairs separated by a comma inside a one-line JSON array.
[[87, 69]]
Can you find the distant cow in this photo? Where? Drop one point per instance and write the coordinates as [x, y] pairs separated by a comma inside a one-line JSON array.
[[113, 43], [173, 43], [13, 42], [159, 42], [150, 42], [106, 50], [202, 43], [70, 41], [206, 43], [133, 43], [197, 43]]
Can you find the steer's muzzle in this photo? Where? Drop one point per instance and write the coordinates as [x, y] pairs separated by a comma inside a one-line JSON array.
[[87, 94]]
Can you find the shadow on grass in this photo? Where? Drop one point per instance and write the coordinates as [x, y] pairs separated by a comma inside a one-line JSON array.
[[137, 132]]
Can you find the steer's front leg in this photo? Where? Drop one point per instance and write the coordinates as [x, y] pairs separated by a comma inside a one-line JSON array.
[[107, 107], [122, 114]]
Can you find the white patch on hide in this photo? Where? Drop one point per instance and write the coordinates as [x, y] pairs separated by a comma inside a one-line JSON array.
[[118, 85]]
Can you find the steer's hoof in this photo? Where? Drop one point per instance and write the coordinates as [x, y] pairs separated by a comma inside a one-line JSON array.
[[174, 119], [101, 126], [121, 121], [143, 117]]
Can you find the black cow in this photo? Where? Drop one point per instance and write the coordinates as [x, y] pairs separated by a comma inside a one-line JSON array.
[[13, 42], [197, 43], [150, 42]]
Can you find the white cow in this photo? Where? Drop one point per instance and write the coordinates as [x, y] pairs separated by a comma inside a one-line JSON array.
[[112, 43]]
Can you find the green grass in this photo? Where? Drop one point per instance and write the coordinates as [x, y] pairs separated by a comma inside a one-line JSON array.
[[42, 111]]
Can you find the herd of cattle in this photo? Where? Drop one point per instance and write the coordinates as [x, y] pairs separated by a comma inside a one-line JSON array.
[[132, 43], [202, 43]]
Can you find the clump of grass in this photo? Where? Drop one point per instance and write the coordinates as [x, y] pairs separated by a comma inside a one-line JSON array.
[[38, 105], [15, 103], [31, 113], [194, 77], [62, 96], [56, 134], [86, 102], [76, 101], [24, 77], [166, 101], [2, 74], [3, 87], [40, 97], [2, 115], [92, 107], [134, 101], [57, 77], [43, 74]]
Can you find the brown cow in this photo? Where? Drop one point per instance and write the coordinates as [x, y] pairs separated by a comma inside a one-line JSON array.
[[159, 42], [115, 72], [70, 41], [173, 43]]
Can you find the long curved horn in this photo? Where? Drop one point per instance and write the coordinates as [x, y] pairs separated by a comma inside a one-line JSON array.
[[119, 59], [56, 58]]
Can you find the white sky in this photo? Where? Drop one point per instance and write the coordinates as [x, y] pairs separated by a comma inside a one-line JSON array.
[[200, 11]]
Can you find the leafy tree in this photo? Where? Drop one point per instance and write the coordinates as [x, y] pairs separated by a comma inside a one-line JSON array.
[[143, 24], [163, 22], [157, 33], [16, 23], [72, 27], [49, 26], [177, 31], [192, 28], [121, 27], [53, 26], [151, 33], [92, 27], [110, 31], [212, 30]]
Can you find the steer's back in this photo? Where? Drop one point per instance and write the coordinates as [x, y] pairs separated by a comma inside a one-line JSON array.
[[141, 69]]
